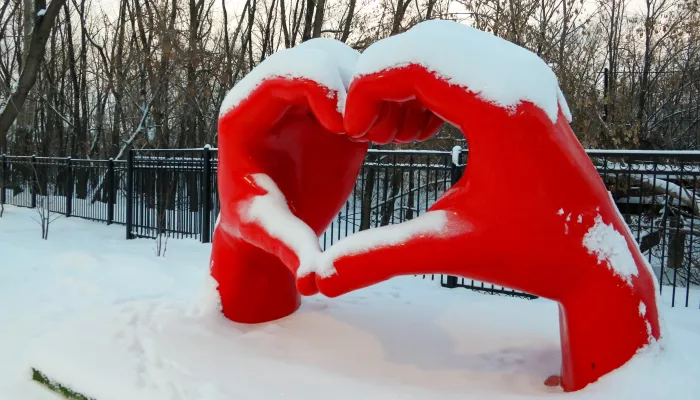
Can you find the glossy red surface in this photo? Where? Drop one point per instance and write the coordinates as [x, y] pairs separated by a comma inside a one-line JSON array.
[[522, 170], [289, 130]]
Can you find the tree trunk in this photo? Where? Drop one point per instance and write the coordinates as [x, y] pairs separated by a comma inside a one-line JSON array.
[[390, 201], [285, 30], [644, 84], [411, 195], [296, 22], [348, 21], [76, 137], [367, 192], [268, 32], [308, 21], [401, 7], [318, 19], [429, 10], [30, 69]]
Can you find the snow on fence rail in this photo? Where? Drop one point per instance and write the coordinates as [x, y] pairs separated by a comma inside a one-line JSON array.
[[174, 193]]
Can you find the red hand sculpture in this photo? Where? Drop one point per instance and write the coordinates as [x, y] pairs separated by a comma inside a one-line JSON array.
[[284, 172], [530, 213]]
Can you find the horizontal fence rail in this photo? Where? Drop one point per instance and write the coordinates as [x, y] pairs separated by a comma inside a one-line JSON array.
[[173, 193]]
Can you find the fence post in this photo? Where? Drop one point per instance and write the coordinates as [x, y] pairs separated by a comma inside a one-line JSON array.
[[3, 177], [71, 185], [206, 195], [110, 191], [129, 192], [455, 174], [35, 178]]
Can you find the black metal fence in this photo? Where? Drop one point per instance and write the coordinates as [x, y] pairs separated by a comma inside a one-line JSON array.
[[174, 193], [90, 189]]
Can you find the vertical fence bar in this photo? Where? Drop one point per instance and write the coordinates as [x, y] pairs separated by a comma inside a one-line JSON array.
[[690, 248], [3, 178], [206, 195], [71, 185], [129, 192], [111, 190], [33, 181], [451, 281]]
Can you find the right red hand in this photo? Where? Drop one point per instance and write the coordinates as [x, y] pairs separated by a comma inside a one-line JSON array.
[[530, 213]]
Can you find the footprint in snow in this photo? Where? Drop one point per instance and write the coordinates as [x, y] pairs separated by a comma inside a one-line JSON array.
[[317, 306]]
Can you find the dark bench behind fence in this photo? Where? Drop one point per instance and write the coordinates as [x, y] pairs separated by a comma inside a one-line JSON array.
[[174, 193]]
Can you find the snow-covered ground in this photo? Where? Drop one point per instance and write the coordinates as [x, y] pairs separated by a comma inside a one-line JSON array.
[[108, 318]]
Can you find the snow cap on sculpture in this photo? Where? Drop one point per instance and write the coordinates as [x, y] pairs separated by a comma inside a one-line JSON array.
[[499, 71], [328, 62], [434, 223]]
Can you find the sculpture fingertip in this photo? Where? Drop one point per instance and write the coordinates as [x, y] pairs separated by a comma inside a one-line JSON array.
[[306, 285]]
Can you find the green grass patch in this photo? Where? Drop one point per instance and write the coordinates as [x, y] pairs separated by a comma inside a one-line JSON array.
[[56, 387]]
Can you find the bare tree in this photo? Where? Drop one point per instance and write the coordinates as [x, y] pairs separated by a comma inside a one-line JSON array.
[[42, 187], [661, 21], [163, 198], [348, 21], [44, 21]]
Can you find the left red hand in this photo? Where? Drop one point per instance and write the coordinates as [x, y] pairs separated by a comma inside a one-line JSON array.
[[285, 170]]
